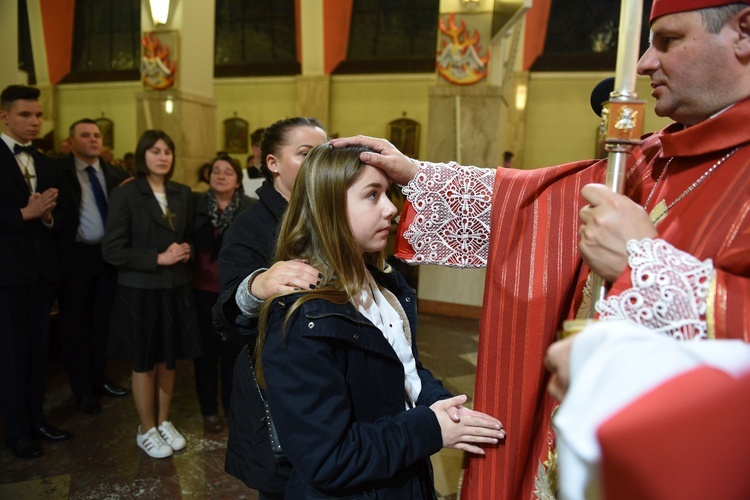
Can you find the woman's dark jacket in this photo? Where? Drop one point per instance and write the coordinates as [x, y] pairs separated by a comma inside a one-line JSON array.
[[137, 231], [203, 229], [335, 388], [249, 244]]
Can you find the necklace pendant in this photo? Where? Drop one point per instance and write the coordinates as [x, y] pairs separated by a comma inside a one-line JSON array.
[[658, 212], [169, 215]]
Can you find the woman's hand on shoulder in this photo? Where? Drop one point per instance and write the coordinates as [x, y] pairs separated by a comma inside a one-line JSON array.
[[285, 276], [473, 428], [126, 181]]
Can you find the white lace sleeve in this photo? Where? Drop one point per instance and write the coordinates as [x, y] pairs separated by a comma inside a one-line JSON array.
[[669, 291], [453, 206]]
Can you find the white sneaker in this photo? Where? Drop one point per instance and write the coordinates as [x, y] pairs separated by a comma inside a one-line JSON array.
[[153, 444], [171, 436]]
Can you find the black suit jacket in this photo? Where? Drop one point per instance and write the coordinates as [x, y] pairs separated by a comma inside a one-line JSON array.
[[26, 247], [70, 199], [249, 245], [136, 231]]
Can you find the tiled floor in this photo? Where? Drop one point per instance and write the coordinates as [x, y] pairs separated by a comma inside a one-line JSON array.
[[102, 460]]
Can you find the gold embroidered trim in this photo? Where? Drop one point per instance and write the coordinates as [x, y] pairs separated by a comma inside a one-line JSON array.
[[545, 482], [710, 311]]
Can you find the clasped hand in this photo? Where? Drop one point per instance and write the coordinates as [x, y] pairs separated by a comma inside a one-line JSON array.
[[465, 429], [176, 252], [40, 205]]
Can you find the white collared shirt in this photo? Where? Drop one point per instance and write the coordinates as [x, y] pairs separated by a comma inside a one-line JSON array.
[[91, 226], [373, 304]]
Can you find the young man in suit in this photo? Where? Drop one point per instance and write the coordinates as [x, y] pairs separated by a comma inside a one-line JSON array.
[[28, 196], [89, 283]]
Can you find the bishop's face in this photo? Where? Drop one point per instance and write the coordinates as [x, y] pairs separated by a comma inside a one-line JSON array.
[[693, 72]]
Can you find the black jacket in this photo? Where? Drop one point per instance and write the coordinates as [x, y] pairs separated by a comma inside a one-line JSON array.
[[27, 252], [249, 245], [70, 199], [203, 230], [137, 231], [335, 388]]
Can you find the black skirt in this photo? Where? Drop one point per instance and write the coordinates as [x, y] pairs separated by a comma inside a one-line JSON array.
[[152, 326]]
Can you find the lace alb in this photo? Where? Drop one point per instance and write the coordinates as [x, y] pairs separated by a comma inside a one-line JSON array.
[[453, 206], [452, 225], [669, 291]]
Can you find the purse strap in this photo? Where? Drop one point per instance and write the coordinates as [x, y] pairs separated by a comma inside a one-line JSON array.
[[255, 380]]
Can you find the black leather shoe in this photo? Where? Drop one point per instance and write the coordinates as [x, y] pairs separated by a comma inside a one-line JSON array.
[[212, 424], [89, 404], [112, 390], [26, 448], [51, 434]]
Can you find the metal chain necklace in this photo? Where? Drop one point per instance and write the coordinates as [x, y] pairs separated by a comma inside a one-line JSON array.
[[27, 175], [661, 208]]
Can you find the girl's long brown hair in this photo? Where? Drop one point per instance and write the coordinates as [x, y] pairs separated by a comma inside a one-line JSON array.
[[316, 228]]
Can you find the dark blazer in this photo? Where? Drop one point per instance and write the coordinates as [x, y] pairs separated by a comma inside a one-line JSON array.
[[70, 199], [137, 231], [26, 247], [249, 245], [335, 388], [203, 230]]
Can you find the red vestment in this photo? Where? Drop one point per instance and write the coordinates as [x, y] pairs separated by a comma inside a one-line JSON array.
[[651, 451], [535, 274]]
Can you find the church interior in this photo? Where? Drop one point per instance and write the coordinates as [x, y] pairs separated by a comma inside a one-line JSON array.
[[212, 71]]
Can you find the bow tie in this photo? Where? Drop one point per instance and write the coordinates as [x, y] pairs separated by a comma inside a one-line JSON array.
[[17, 148]]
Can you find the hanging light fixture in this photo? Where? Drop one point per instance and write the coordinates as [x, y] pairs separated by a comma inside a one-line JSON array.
[[159, 11]]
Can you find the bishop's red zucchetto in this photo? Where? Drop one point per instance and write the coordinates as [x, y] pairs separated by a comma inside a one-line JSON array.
[[664, 7]]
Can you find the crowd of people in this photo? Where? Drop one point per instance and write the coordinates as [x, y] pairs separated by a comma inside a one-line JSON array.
[[320, 373], [130, 258]]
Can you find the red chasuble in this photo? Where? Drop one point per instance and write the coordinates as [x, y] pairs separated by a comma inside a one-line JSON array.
[[535, 276]]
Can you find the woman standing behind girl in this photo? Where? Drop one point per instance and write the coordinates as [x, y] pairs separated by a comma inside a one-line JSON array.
[[356, 412], [146, 237], [246, 281], [214, 212]]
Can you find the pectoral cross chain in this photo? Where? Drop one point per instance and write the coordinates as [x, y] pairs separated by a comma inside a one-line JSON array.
[[660, 210]]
